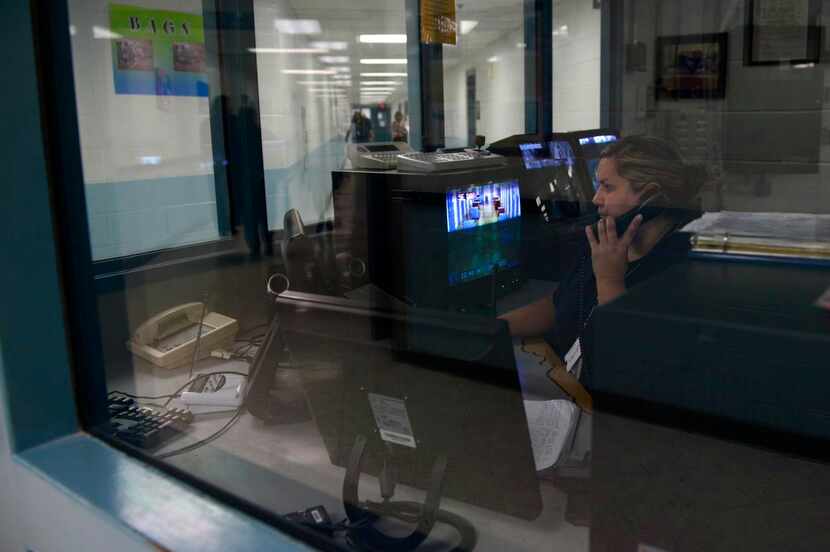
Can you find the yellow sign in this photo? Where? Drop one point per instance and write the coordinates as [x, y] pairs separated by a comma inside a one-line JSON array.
[[438, 24]]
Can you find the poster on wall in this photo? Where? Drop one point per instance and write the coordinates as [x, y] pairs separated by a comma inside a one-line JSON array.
[[691, 66], [438, 24], [782, 31], [157, 52]]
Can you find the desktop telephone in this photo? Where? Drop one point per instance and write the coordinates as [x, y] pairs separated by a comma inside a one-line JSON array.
[[376, 155], [168, 339]]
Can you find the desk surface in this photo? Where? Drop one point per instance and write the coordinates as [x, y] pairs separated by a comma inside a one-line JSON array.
[[286, 467]]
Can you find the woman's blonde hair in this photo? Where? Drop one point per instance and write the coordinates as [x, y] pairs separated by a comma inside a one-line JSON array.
[[645, 160]]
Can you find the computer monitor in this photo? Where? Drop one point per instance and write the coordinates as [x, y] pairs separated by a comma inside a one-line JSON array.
[[590, 145], [553, 153], [483, 229], [418, 385]]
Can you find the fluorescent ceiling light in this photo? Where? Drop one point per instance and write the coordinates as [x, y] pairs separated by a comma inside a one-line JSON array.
[[379, 83], [342, 69], [383, 74], [382, 38], [334, 59], [330, 45], [467, 26], [521, 45], [297, 26], [377, 90], [383, 61], [288, 50], [342, 76], [493, 59], [307, 72], [104, 33], [332, 85]]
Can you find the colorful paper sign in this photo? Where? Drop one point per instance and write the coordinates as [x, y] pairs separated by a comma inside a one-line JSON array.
[[157, 52]]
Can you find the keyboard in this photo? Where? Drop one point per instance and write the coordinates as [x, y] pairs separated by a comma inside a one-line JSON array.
[[434, 161], [143, 427], [379, 160]]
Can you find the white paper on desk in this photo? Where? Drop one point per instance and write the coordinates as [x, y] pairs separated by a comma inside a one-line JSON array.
[[551, 425]]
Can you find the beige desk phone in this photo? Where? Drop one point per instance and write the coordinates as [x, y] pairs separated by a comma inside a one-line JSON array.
[[168, 339]]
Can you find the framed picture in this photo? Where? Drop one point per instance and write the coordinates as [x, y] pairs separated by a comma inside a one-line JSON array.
[[782, 32], [691, 66]]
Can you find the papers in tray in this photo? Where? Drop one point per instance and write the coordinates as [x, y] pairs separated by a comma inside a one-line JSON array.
[[766, 234]]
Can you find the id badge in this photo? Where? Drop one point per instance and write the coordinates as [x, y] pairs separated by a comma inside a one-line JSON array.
[[573, 356]]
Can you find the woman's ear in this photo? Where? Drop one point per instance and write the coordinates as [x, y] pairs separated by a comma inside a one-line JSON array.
[[650, 190]]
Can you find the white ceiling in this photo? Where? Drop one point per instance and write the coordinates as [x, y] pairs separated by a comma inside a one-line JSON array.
[[344, 20]]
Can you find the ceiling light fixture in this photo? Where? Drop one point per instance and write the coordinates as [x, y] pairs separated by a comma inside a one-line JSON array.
[[467, 26], [334, 59], [104, 33], [383, 74], [297, 26], [287, 51], [382, 38], [330, 45], [380, 83], [383, 61], [307, 72]]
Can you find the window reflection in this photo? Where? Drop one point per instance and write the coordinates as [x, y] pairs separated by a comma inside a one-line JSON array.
[[465, 327]]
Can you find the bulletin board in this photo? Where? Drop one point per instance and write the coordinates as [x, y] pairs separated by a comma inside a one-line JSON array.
[[157, 52]]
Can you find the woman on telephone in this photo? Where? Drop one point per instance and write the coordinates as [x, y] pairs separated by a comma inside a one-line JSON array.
[[646, 192]]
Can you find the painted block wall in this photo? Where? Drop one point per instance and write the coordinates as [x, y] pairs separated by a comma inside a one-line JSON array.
[[499, 69], [147, 160], [644, 22]]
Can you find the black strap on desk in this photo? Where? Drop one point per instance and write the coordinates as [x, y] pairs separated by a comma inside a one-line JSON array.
[[363, 518]]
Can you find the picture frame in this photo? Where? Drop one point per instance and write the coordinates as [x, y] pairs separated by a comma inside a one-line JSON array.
[[780, 32], [691, 66]]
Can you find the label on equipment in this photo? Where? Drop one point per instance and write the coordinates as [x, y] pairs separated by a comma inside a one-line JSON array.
[[392, 420]]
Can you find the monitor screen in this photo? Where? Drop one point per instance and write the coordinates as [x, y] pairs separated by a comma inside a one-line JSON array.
[[592, 147], [536, 155], [483, 227]]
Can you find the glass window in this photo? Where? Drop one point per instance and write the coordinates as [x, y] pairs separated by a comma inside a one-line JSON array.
[[576, 65], [327, 75], [484, 74], [456, 325], [144, 119]]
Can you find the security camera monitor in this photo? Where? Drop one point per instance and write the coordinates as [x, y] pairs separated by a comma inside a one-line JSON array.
[[483, 229]]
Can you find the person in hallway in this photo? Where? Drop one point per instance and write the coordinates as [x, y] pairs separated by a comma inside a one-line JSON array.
[[399, 132], [631, 171], [360, 130]]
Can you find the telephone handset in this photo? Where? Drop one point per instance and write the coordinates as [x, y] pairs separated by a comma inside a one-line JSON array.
[[168, 339], [651, 208]]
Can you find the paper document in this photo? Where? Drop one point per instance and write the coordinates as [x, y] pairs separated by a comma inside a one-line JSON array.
[[782, 226], [551, 425]]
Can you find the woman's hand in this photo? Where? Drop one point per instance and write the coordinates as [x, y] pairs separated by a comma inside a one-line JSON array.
[[609, 256]]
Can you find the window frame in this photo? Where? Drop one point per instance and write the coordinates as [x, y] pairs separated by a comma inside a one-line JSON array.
[[51, 422]]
